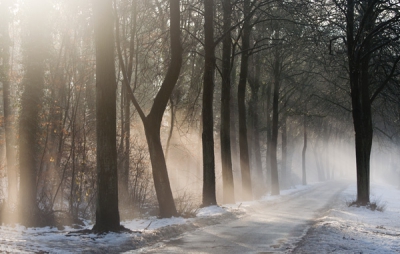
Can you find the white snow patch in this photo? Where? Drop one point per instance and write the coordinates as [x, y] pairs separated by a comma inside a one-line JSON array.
[[358, 229], [211, 211]]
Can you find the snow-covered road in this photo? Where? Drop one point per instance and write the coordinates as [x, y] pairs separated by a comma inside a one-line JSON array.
[[267, 227]]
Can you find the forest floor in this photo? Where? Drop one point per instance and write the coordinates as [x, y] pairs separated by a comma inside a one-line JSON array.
[[305, 219]]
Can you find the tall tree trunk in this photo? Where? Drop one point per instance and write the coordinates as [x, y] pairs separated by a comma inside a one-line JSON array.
[[124, 171], [254, 134], [226, 156], [209, 197], [243, 142], [359, 58], [5, 44], [274, 132], [31, 103], [269, 137], [303, 154], [234, 121], [107, 214]]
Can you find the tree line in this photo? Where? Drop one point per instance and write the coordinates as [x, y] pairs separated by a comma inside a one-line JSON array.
[[96, 95]]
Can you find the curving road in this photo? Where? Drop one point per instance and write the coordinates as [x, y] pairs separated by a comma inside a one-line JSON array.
[[267, 228]]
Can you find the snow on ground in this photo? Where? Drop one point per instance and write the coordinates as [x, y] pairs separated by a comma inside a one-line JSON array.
[[19, 239], [146, 231], [341, 229], [346, 229]]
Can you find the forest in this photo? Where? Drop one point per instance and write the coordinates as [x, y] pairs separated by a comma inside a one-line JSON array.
[[119, 109]]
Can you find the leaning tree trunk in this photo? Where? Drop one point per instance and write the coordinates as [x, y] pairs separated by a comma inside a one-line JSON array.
[[160, 175], [243, 142], [107, 214], [226, 155], [152, 122]]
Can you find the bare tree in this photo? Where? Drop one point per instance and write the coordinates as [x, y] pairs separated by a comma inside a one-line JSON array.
[[152, 122]]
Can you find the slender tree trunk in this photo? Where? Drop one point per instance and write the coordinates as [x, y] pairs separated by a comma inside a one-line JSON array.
[[303, 154], [243, 142], [107, 214], [234, 122], [124, 170], [269, 138], [209, 197], [274, 133], [284, 153], [5, 43], [226, 156]]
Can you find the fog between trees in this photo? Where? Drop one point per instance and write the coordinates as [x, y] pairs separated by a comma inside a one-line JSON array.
[[207, 102]]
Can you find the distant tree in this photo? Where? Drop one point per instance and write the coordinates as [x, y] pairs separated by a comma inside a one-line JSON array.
[[107, 214]]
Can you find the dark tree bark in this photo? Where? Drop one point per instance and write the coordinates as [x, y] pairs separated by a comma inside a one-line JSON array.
[[107, 214], [367, 35], [243, 142], [209, 197], [5, 44], [152, 122], [226, 155], [360, 98], [31, 103]]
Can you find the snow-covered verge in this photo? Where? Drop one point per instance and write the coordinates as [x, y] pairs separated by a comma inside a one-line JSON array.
[[344, 229], [19, 239], [145, 231]]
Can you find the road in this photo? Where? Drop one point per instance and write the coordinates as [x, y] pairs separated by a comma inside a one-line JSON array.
[[266, 228]]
